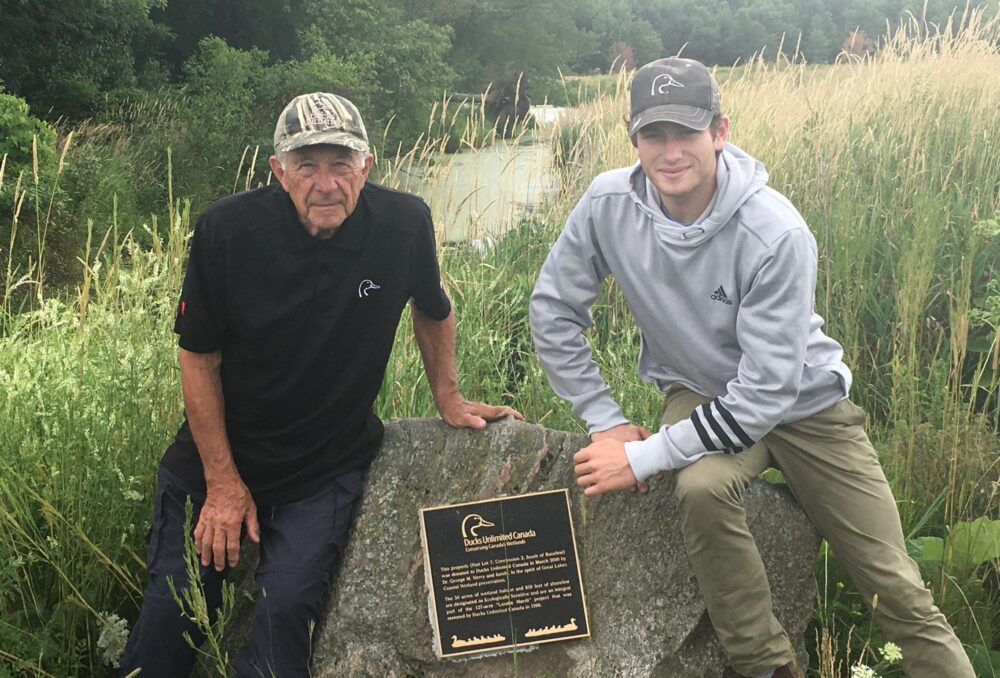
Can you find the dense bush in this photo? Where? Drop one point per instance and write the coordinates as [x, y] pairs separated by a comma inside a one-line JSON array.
[[19, 133]]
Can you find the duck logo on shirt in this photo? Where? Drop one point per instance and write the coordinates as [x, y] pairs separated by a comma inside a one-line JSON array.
[[367, 286]]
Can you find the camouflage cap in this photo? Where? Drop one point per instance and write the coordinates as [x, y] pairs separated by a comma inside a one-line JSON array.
[[674, 90], [320, 118]]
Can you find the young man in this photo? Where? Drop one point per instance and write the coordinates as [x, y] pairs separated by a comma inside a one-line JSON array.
[[719, 271], [287, 317]]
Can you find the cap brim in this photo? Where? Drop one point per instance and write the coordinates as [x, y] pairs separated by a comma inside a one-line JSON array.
[[689, 116], [315, 138]]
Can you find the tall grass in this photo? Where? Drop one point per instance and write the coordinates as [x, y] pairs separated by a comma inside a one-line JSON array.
[[90, 390], [891, 162]]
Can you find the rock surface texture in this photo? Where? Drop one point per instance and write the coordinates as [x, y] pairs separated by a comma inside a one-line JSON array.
[[646, 615]]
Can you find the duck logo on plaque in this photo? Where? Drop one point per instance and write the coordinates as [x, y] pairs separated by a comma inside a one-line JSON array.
[[503, 572], [473, 522]]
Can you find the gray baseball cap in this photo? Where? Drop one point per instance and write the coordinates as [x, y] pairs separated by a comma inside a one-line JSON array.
[[674, 90], [320, 118]]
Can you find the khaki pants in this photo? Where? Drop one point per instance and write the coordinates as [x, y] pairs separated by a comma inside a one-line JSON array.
[[834, 473]]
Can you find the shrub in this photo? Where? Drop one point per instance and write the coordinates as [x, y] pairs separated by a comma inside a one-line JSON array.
[[18, 130]]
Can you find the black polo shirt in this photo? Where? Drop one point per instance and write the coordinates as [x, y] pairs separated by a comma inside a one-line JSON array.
[[305, 327]]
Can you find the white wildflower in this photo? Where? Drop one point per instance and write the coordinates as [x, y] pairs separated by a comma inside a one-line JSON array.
[[891, 652], [862, 671], [53, 542], [111, 642], [132, 495]]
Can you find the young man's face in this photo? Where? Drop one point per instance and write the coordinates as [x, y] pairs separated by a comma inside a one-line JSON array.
[[680, 162], [324, 183]]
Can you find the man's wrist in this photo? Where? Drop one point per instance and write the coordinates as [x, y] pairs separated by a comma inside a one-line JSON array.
[[647, 457], [607, 429], [446, 397], [610, 419], [221, 474]]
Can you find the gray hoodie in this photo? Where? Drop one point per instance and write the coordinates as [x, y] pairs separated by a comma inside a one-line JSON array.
[[724, 306]]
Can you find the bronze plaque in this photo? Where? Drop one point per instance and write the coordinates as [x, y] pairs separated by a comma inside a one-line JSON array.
[[503, 572]]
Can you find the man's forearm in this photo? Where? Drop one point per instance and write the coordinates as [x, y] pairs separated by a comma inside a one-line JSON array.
[[436, 339], [228, 503], [204, 404]]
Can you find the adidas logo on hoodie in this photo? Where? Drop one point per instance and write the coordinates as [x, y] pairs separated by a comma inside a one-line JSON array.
[[720, 295]]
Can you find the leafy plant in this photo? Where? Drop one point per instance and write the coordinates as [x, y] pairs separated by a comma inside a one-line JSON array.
[[28, 144]]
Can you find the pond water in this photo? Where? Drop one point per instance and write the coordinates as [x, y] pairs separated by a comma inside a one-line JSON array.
[[476, 194]]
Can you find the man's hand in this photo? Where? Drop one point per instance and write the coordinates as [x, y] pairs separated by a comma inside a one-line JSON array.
[[436, 339], [460, 413], [227, 506], [623, 433], [603, 467]]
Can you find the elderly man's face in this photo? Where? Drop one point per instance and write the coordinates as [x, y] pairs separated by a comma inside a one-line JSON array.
[[324, 183]]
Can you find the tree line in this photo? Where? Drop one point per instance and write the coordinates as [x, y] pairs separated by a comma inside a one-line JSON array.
[[75, 58], [202, 82]]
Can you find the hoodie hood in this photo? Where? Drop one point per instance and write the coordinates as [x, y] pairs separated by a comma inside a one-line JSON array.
[[738, 176]]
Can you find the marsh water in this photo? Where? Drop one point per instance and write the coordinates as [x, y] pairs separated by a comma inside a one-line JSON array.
[[475, 194]]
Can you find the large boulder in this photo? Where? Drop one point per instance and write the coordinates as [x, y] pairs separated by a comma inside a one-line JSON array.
[[646, 615]]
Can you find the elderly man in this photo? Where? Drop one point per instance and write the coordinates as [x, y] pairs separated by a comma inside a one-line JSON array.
[[286, 320], [719, 271]]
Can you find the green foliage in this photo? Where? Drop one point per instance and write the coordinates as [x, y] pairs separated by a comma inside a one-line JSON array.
[[821, 41], [406, 52], [400, 61], [728, 31], [27, 179], [607, 23], [959, 567], [985, 662], [575, 90], [493, 41], [232, 98], [77, 458], [63, 54], [221, 89], [969, 545], [268, 25], [108, 185], [17, 131]]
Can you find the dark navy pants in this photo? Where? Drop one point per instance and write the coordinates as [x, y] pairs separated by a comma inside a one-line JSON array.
[[299, 543]]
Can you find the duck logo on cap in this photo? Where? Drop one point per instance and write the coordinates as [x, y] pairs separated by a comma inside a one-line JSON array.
[[668, 81]]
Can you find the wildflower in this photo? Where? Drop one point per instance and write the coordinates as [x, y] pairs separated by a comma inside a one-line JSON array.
[[862, 671], [127, 533], [891, 652], [132, 495], [111, 642]]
